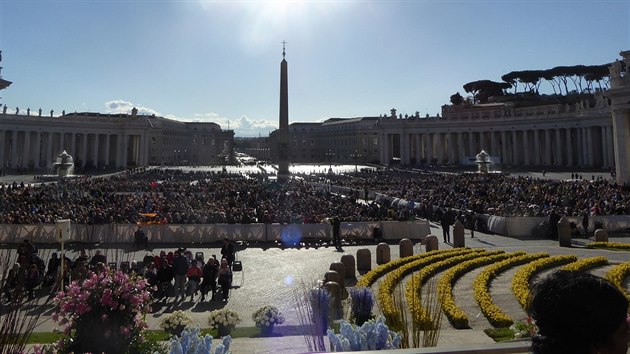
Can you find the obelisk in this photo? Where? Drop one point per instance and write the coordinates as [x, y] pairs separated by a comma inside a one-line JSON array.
[[283, 137]]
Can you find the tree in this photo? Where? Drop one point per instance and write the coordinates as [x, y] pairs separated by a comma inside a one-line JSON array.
[[457, 99], [483, 89]]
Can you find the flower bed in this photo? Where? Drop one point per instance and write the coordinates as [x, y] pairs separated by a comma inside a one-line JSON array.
[[520, 282], [481, 290], [586, 263], [618, 274], [373, 275], [610, 245], [386, 288], [456, 316], [420, 315]]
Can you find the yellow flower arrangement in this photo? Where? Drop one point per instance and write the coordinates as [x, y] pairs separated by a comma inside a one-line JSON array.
[[413, 291], [391, 280], [618, 274], [520, 282], [481, 285], [586, 263], [612, 245], [456, 315]]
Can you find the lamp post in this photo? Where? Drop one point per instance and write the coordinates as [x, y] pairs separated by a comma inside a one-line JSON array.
[[355, 156], [330, 155]]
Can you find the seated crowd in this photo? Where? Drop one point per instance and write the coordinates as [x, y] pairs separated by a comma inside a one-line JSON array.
[[176, 274], [202, 197]]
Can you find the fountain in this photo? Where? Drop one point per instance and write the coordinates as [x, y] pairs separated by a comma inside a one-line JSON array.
[[64, 164], [483, 160]]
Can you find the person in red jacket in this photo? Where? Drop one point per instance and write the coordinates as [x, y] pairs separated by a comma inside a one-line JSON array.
[[194, 275]]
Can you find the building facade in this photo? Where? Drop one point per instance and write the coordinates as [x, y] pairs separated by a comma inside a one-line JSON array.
[[109, 141], [578, 135]]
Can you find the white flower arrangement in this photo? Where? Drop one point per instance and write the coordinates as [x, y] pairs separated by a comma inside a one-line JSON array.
[[175, 319], [224, 317], [267, 316]]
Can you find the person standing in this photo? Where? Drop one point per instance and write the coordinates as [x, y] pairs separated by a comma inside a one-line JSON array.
[[180, 268], [210, 272], [227, 251], [336, 228]]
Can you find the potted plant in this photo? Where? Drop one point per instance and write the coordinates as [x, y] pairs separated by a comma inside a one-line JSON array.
[[224, 321], [266, 317], [174, 323]]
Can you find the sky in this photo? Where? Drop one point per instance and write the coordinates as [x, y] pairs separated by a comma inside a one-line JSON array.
[[219, 61]]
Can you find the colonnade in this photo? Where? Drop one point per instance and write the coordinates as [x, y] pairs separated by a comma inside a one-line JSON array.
[[39, 149], [586, 146]]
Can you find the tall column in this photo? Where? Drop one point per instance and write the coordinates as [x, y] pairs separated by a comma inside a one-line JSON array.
[[14, 152], [589, 142], [84, 148], [558, 148], [62, 142], [430, 147], [548, 147], [461, 151], [569, 147], [26, 150], [537, 147], [107, 138], [73, 144], [95, 151], [2, 148], [526, 160], [404, 149], [482, 141], [515, 154], [504, 152], [471, 144], [493, 144], [50, 159], [125, 147], [38, 150], [611, 147]]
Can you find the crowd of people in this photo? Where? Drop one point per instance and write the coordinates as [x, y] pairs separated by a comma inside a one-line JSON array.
[[203, 197], [178, 274], [496, 194], [179, 198]]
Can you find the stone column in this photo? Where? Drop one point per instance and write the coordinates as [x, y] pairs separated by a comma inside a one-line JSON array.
[[26, 150], [431, 145], [461, 151], [95, 146], [84, 149], [439, 147], [589, 142], [62, 142], [73, 144], [2, 148], [14, 148], [569, 147], [504, 153], [404, 149], [471, 145], [493, 144], [547, 147], [611, 147], [38, 150], [418, 150], [526, 160], [515, 147], [49, 150], [107, 147], [558, 148], [125, 146], [482, 141], [579, 148], [537, 147]]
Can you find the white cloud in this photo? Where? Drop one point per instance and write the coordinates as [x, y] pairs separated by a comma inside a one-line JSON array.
[[243, 126]]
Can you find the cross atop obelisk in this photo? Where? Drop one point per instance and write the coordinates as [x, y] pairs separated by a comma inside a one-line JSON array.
[[283, 49]]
